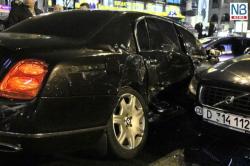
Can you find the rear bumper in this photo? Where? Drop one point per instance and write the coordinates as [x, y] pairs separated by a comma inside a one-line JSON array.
[[50, 142]]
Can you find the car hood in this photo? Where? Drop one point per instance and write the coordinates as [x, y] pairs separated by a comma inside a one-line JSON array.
[[235, 71], [18, 41]]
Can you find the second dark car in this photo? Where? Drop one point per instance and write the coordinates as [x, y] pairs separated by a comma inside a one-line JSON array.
[[230, 47], [223, 97]]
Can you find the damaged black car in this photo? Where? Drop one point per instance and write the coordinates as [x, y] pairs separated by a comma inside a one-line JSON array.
[[71, 79]]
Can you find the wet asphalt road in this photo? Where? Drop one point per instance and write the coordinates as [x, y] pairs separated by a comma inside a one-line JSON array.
[[173, 143]]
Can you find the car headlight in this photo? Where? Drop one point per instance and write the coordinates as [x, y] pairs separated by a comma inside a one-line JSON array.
[[193, 86]]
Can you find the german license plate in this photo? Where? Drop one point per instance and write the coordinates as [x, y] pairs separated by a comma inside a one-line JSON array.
[[231, 121]]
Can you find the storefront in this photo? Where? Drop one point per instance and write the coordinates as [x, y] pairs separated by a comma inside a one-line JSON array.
[[169, 8], [158, 8]]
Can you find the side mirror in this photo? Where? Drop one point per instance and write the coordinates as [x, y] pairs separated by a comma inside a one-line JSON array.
[[247, 50]]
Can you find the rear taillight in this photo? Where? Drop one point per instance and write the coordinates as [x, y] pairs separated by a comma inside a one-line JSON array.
[[24, 80]]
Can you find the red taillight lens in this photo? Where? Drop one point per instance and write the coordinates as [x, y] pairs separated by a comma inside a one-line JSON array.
[[24, 80]]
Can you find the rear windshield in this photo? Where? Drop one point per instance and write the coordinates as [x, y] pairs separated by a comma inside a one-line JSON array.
[[74, 24]]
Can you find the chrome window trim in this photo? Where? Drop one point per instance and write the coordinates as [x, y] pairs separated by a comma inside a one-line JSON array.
[[144, 18], [135, 32]]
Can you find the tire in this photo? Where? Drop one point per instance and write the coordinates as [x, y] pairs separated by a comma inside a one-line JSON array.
[[129, 126]]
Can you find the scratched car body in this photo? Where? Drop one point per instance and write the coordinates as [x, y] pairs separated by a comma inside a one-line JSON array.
[[73, 79]]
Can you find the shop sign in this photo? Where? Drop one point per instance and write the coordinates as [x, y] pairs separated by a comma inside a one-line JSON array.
[[238, 11], [172, 14], [173, 11], [154, 7], [121, 4]]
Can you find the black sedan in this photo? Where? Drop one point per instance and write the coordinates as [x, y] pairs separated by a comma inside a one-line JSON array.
[[72, 79], [223, 99], [230, 47]]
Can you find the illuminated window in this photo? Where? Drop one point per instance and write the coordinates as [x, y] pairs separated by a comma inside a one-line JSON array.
[[108, 2], [174, 1]]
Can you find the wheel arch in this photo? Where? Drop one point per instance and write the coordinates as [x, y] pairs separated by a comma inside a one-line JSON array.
[[140, 89]]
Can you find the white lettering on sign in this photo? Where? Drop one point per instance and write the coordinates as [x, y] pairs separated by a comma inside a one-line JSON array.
[[238, 11]]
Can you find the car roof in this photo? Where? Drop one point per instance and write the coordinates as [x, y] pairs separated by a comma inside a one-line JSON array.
[[132, 14], [229, 37], [210, 40], [96, 12], [89, 23]]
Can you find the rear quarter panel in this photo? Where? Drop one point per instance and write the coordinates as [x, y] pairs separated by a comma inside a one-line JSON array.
[[76, 95]]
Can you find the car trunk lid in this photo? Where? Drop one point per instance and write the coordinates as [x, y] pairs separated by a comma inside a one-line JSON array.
[[18, 41]]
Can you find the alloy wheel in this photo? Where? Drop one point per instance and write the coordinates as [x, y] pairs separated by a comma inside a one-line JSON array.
[[129, 122]]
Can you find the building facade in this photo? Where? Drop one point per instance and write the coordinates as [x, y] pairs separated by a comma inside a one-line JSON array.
[[219, 13]]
